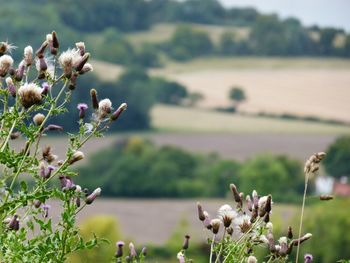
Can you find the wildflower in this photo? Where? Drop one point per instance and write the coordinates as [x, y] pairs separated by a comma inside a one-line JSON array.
[[20, 71], [81, 62], [119, 111], [37, 203], [67, 60], [66, 182], [30, 94], [6, 47], [94, 100], [243, 223], [132, 250], [119, 252], [28, 55], [82, 107], [283, 246], [10, 86], [93, 196], [38, 119], [226, 214], [104, 108], [252, 259], [45, 88], [45, 209], [14, 223], [86, 68], [215, 225], [181, 257], [15, 135], [290, 232], [308, 258], [81, 47], [313, 163], [144, 251], [41, 50], [77, 156], [235, 193], [186, 242], [54, 127], [6, 63], [206, 221], [200, 212]]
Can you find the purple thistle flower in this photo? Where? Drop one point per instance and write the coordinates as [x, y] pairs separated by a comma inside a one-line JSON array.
[[82, 107], [66, 182], [119, 252], [45, 88], [45, 208], [308, 258]]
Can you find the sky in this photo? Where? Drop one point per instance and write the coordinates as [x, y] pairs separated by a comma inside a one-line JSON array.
[[335, 13]]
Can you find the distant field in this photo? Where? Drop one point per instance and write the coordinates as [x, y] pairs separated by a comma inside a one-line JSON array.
[[153, 221], [170, 118], [301, 86], [162, 32]]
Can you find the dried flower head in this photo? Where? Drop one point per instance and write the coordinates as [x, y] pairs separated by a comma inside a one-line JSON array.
[[77, 156], [86, 68], [30, 94], [81, 47], [227, 214], [6, 63], [6, 47], [28, 55], [38, 119], [243, 222], [68, 59], [104, 108], [313, 163], [252, 259], [215, 225]]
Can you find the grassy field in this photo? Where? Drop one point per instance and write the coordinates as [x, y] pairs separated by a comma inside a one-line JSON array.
[[162, 32], [171, 118]]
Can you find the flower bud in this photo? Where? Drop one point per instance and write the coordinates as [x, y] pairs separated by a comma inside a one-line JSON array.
[[81, 47], [20, 71], [94, 100], [132, 250], [144, 251], [77, 156], [54, 127], [80, 64], [14, 223], [55, 42], [82, 107], [235, 193], [201, 215], [119, 252], [119, 111], [38, 119], [91, 198], [11, 87], [186, 242], [215, 224], [40, 52]]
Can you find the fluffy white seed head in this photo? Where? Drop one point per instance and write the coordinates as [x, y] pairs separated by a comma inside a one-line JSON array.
[[28, 55], [6, 63], [282, 240], [252, 259], [30, 94]]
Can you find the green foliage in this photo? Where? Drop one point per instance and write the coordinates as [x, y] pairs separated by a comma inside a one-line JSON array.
[[137, 168], [105, 227], [278, 175], [338, 154], [188, 43], [237, 95], [169, 92], [329, 224]]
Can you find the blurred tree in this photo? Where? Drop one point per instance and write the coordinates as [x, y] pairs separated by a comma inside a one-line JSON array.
[[271, 175], [336, 162], [187, 43], [327, 36], [169, 92], [237, 95], [194, 98]]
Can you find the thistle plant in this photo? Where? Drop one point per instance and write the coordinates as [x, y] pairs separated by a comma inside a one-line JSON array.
[[31, 94], [238, 231]]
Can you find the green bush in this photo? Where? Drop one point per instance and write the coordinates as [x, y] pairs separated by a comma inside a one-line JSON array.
[[338, 156]]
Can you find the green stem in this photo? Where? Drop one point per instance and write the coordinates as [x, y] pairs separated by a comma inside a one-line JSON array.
[[211, 249], [301, 216], [221, 247]]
